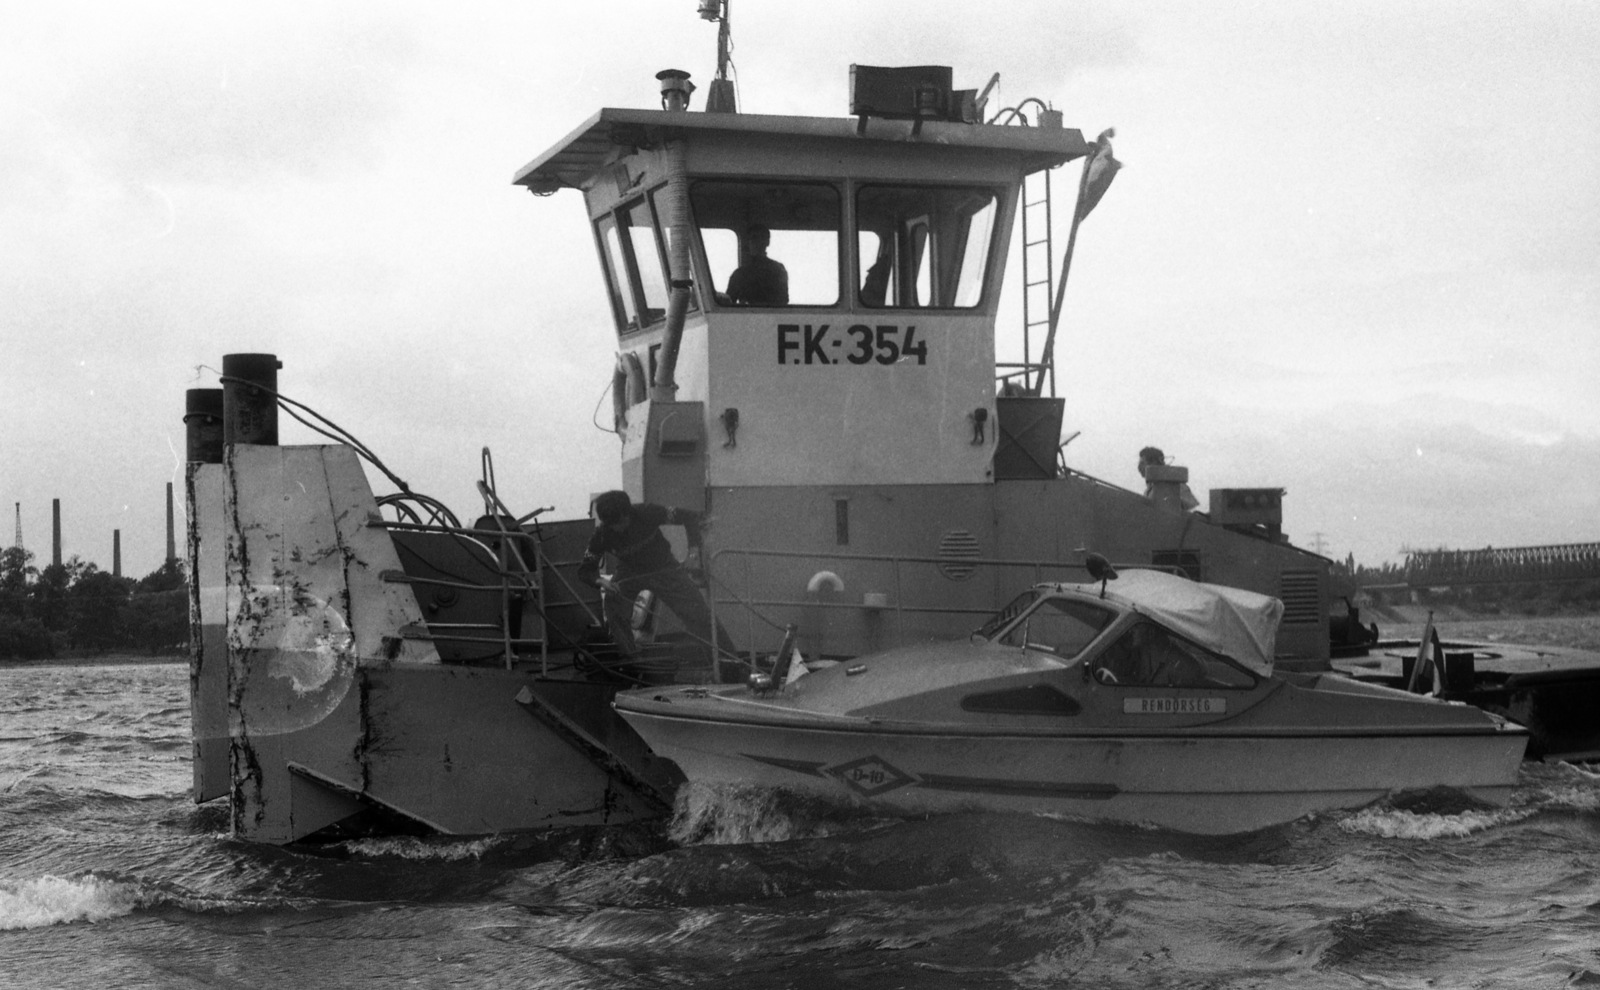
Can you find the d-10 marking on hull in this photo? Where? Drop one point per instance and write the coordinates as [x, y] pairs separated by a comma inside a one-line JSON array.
[[871, 776]]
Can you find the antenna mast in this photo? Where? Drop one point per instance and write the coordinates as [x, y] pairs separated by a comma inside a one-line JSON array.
[[721, 98]]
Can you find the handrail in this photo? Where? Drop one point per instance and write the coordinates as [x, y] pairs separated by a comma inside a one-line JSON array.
[[895, 560], [509, 565]]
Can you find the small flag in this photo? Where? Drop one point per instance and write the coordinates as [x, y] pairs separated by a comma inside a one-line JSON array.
[[1102, 169]]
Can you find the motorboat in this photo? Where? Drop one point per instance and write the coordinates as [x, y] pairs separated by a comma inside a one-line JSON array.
[[1144, 697]]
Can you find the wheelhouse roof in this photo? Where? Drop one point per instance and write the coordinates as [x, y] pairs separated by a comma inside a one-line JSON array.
[[597, 141]]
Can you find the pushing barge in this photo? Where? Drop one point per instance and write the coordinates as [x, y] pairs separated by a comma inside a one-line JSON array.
[[876, 477]]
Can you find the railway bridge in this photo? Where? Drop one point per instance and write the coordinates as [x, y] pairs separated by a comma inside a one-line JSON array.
[[1559, 562]]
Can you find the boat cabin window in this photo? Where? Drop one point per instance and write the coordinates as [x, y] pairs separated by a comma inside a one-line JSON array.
[[1031, 699], [635, 263], [1150, 656], [1063, 626], [923, 247], [769, 243]]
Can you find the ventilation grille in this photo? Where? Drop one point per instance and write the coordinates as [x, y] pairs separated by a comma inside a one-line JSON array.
[[1302, 602], [956, 545]]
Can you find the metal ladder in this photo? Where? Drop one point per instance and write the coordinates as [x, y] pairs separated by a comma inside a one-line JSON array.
[[1036, 286]]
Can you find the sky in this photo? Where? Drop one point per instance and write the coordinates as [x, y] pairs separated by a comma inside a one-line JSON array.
[[1354, 251]]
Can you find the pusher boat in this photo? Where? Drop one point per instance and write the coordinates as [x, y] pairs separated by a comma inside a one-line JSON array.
[[1149, 698], [882, 466]]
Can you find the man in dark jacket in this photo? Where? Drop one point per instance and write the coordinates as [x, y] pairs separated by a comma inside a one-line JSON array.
[[760, 281], [632, 535]]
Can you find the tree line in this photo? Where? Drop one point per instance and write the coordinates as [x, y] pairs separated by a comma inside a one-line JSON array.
[[74, 607]]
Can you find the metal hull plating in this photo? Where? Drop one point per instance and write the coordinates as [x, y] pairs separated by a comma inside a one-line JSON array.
[[1209, 783], [326, 711]]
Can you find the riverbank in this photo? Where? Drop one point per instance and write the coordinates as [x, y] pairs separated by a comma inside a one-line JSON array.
[[1579, 631]]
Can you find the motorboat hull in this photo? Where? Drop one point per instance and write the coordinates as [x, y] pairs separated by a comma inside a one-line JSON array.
[[1200, 782]]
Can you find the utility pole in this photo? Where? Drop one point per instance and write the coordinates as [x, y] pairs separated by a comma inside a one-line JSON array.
[[1319, 543]]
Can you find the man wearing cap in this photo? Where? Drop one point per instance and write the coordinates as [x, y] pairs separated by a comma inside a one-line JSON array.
[[632, 535]]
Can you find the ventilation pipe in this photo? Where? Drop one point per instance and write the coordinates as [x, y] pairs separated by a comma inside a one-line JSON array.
[[665, 386]]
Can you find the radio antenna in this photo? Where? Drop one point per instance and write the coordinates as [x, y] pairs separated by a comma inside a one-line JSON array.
[[721, 98]]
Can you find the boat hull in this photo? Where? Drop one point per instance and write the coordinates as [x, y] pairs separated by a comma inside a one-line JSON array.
[[1194, 782]]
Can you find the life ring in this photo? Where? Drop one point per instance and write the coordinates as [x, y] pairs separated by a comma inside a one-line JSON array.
[[619, 395], [638, 388]]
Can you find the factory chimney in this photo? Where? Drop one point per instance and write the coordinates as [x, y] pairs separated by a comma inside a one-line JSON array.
[[172, 546], [116, 553], [55, 545]]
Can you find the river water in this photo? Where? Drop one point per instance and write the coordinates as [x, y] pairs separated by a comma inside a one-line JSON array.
[[111, 877]]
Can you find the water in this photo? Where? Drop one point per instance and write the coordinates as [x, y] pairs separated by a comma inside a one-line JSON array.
[[110, 877]]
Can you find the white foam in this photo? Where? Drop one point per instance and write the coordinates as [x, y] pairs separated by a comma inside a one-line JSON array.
[[1575, 798], [405, 847], [52, 900], [730, 814], [1390, 823]]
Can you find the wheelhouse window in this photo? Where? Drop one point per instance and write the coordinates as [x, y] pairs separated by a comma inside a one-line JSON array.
[[1150, 656], [635, 262], [769, 243], [923, 247], [618, 283], [1062, 626], [648, 258]]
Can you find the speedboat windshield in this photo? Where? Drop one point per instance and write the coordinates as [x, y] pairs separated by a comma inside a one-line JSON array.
[[1146, 655], [1003, 618], [1063, 626]]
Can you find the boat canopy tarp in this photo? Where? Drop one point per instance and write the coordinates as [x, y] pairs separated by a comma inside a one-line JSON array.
[[1236, 623]]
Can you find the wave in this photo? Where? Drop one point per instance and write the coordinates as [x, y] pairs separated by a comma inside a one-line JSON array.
[[18, 783], [407, 847], [92, 897], [731, 814], [43, 790], [1397, 823], [1559, 786], [52, 900]]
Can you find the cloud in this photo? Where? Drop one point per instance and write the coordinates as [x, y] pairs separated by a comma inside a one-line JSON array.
[[211, 97]]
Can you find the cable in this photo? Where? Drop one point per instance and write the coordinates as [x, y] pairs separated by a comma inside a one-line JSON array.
[[594, 417], [338, 433]]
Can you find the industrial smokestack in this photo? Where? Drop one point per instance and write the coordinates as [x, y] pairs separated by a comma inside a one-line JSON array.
[[55, 542], [172, 545], [116, 553]]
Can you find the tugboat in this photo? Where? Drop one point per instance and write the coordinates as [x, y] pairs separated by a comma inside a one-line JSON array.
[[872, 475]]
